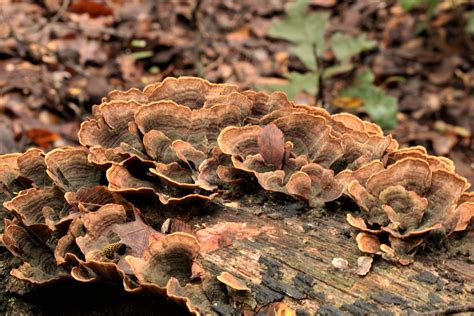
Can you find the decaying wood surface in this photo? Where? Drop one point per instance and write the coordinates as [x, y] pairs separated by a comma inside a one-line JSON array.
[[289, 259], [283, 251]]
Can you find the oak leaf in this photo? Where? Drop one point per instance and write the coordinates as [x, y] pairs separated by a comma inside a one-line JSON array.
[[271, 143]]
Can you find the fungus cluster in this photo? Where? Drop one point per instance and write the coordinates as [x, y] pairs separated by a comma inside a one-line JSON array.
[[69, 213]]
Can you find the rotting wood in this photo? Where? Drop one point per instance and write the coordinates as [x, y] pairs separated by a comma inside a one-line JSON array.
[[291, 261]]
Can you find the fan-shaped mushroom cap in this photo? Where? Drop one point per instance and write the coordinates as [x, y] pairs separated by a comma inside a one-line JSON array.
[[232, 282], [66, 249], [33, 206], [264, 103], [32, 166], [70, 169], [9, 173], [412, 174], [311, 137], [102, 245], [111, 125], [409, 199], [446, 188], [39, 266], [465, 211], [368, 243], [90, 199], [168, 191], [405, 209], [169, 257], [358, 222], [198, 127], [188, 91], [191, 295], [98, 226], [420, 153], [92, 270]]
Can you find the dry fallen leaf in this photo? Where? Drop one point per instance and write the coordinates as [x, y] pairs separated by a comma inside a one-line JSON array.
[[41, 137], [271, 143], [94, 9], [135, 235], [347, 102], [241, 34]]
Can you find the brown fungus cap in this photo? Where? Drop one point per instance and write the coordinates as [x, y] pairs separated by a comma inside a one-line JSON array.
[[192, 296], [110, 128], [171, 256], [232, 282], [188, 91], [183, 141], [308, 154], [39, 266], [150, 181], [408, 200], [108, 237], [368, 243], [421, 153], [34, 206], [178, 123], [70, 169], [32, 166]]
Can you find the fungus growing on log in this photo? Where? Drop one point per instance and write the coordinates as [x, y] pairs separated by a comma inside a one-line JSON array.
[[94, 212], [407, 201]]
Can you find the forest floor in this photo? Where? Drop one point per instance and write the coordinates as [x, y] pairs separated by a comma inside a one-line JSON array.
[[60, 57]]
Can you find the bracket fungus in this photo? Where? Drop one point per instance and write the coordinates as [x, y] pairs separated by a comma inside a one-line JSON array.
[[408, 201], [73, 212]]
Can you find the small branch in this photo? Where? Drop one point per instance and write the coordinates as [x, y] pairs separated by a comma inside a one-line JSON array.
[[197, 37], [455, 309], [319, 71], [64, 5]]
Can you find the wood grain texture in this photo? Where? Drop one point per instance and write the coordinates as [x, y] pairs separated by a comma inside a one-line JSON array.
[[290, 261]]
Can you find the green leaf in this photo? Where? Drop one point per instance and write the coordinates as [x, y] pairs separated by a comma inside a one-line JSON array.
[[139, 43], [305, 53], [337, 70], [470, 22], [407, 5], [365, 78], [142, 55], [345, 46], [429, 5], [381, 108], [297, 82], [301, 27], [296, 8]]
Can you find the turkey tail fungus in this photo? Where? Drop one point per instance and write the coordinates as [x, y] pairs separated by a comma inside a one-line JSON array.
[[193, 151]]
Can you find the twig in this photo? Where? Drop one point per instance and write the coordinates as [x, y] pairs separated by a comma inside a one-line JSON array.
[[197, 37], [320, 84], [54, 18], [455, 309]]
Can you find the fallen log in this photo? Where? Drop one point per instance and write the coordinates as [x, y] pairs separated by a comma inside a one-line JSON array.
[[289, 259]]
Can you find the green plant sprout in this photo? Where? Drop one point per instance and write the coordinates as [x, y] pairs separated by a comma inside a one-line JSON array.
[[470, 22], [307, 32], [381, 107]]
